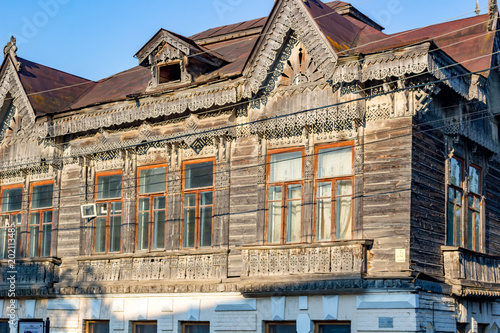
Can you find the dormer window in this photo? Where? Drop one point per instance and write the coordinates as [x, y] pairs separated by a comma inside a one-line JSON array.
[[169, 72]]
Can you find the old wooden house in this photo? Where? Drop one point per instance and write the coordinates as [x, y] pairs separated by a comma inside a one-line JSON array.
[[303, 172]]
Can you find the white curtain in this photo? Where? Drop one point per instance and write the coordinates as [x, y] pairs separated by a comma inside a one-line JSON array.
[[335, 162], [285, 167]]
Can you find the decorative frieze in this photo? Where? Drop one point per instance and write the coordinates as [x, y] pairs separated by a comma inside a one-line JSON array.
[[169, 267], [31, 273], [340, 258]]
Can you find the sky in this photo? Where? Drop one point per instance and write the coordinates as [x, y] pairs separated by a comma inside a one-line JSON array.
[[95, 39]]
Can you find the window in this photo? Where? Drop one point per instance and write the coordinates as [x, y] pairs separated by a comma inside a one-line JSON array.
[[461, 327], [10, 220], [455, 194], [474, 211], [4, 325], [40, 219], [198, 204], [195, 327], [332, 327], [97, 327], [151, 208], [144, 327], [281, 327], [284, 197], [107, 225], [334, 193], [169, 72], [464, 226]]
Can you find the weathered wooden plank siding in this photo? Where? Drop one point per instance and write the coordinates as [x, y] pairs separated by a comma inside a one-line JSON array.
[[492, 206], [428, 201], [386, 197]]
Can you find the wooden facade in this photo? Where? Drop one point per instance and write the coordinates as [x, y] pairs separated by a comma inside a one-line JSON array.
[[387, 250]]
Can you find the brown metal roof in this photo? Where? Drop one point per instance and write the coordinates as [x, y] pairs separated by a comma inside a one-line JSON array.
[[50, 90]]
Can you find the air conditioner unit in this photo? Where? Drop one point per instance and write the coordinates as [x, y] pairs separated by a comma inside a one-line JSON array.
[[89, 210]]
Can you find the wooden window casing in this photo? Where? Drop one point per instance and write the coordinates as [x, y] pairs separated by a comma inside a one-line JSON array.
[[198, 204], [195, 327], [151, 210], [107, 224], [144, 326], [332, 327], [10, 215], [284, 200], [474, 200], [280, 327], [96, 326], [333, 193], [455, 203], [40, 219]]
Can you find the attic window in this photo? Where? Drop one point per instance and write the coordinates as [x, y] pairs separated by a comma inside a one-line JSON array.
[[169, 72]]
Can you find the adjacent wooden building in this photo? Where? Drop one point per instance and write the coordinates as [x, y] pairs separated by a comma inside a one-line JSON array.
[[301, 172]]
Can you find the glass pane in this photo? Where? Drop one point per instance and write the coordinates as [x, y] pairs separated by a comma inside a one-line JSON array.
[[98, 327], [206, 226], [188, 236], [4, 221], [470, 230], [102, 209], [47, 216], [143, 204], [344, 187], [4, 327], [35, 219], [145, 328], [324, 190], [196, 328], [190, 200], [294, 216], [33, 241], [42, 196], [323, 219], [451, 194], [458, 219], [333, 328], [109, 186], [335, 162], [115, 233], [18, 242], [16, 219], [3, 243], [12, 199], [199, 175], [450, 225], [477, 203], [474, 179], [282, 328], [286, 166], [274, 223], [159, 203], [206, 198], [100, 235], [275, 193], [46, 239], [142, 231], [458, 198], [153, 180], [116, 208], [344, 218], [477, 232], [159, 230], [456, 172]]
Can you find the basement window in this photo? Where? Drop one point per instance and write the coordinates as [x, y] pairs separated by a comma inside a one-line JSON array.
[[169, 73]]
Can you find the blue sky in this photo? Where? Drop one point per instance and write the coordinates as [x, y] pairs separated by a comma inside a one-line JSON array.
[[98, 38]]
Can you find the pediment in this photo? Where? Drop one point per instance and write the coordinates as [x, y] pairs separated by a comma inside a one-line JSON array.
[[290, 19], [17, 118]]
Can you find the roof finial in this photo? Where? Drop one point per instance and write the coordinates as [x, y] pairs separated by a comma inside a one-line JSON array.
[[478, 10], [10, 49]]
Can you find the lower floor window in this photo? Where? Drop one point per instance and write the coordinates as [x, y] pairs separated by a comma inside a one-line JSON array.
[[4, 326], [195, 327], [332, 327], [144, 327], [97, 327], [281, 327]]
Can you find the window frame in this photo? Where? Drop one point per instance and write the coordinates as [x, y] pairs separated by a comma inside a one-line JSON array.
[[88, 322], [151, 196], [333, 181], [41, 224], [19, 227], [197, 191], [284, 198], [193, 323], [456, 189], [284, 322], [108, 202], [144, 322], [475, 212], [330, 322]]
